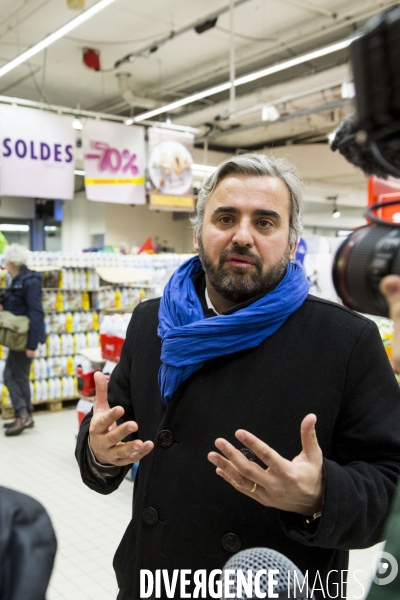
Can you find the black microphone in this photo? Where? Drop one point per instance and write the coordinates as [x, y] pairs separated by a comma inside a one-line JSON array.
[[362, 153], [258, 571]]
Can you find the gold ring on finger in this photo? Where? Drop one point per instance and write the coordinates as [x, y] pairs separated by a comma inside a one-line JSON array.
[[253, 489]]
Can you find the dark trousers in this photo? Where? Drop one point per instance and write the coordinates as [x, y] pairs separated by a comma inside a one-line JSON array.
[[16, 378]]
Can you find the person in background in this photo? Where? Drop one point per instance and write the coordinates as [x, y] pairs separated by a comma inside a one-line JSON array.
[[390, 288], [23, 297]]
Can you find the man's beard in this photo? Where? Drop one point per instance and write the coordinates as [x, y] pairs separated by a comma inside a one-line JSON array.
[[238, 284]]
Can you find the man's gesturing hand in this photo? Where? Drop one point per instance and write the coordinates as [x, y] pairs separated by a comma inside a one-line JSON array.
[[295, 486], [106, 436]]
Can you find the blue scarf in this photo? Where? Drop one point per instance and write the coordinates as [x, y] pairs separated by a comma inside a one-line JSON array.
[[189, 339]]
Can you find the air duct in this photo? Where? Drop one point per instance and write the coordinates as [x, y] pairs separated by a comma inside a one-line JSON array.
[[124, 85]]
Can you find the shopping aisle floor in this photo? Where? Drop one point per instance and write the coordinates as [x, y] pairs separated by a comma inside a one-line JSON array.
[[41, 463]]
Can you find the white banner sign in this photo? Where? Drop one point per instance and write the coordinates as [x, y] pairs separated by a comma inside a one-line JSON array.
[[114, 162], [37, 154], [170, 169]]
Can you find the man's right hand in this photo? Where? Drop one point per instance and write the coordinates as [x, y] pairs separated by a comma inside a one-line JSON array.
[[106, 436]]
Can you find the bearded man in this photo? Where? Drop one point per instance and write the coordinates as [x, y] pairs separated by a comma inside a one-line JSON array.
[[296, 393]]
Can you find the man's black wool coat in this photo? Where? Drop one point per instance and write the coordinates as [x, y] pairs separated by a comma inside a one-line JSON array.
[[324, 360]]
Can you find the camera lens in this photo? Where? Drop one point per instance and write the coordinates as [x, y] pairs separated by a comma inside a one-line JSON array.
[[363, 259]]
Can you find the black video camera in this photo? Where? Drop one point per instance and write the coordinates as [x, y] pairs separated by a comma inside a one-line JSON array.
[[372, 142]]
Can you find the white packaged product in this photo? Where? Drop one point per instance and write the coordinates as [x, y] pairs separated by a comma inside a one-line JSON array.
[[57, 366], [52, 389], [56, 345], [77, 322], [57, 388], [50, 367], [85, 364], [64, 365], [70, 386], [44, 394], [2, 365], [109, 367], [36, 368], [43, 368], [37, 391], [41, 351], [61, 322], [64, 344]]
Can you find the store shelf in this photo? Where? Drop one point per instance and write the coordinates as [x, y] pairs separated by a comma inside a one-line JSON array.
[[120, 275], [50, 400], [93, 354], [71, 310], [44, 268], [122, 309], [57, 289]]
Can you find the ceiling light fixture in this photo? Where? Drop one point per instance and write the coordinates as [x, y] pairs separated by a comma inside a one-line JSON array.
[[335, 210], [163, 125], [13, 227], [287, 64], [77, 124], [348, 89], [203, 168], [269, 113], [53, 37]]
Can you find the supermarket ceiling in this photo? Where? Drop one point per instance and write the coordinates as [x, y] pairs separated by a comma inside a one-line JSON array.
[[177, 48]]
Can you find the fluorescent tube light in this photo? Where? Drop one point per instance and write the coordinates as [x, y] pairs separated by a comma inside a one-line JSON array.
[[202, 168], [183, 101], [168, 126], [53, 37], [287, 64], [12, 227]]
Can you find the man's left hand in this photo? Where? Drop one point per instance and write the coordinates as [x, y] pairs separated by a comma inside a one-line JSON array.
[[30, 353], [294, 486]]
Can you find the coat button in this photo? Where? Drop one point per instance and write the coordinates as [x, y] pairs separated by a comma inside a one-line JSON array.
[[150, 516], [231, 542], [248, 454], [165, 438]]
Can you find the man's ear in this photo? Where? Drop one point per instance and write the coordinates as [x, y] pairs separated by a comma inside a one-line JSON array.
[[195, 241], [293, 250]]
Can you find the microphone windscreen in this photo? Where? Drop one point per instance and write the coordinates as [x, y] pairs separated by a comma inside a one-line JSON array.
[[256, 559], [361, 155]]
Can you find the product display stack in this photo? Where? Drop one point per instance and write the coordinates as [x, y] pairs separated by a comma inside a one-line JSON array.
[[88, 299]]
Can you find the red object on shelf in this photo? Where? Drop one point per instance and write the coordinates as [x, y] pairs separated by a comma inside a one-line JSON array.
[[86, 385], [91, 58], [82, 409], [147, 246], [111, 346], [385, 190]]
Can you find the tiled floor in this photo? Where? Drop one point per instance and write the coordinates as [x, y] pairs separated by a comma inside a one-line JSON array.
[[41, 462]]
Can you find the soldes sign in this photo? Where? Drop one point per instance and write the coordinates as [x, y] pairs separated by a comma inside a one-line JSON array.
[[37, 153], [37, 150]]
